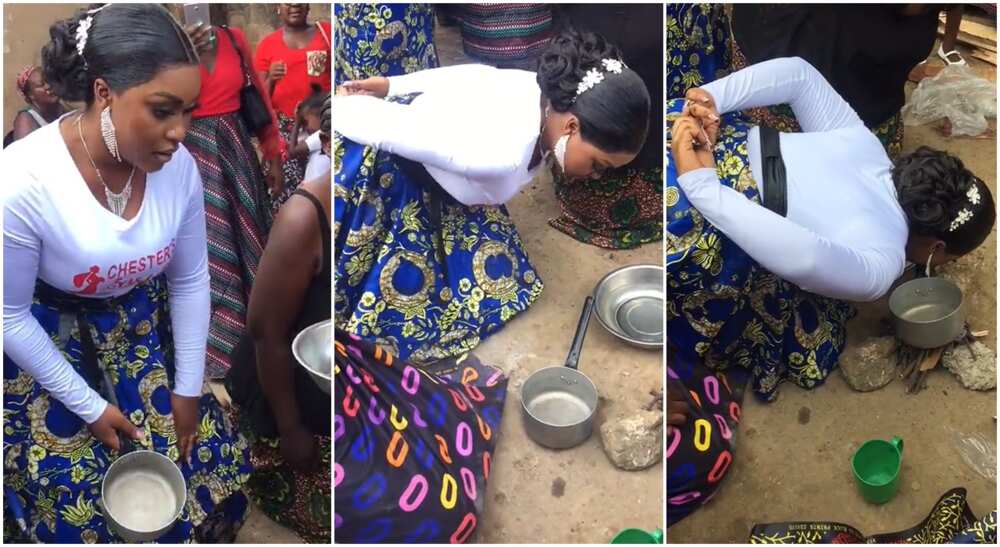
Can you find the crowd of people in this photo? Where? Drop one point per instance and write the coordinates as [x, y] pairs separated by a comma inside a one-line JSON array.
[[172, 230]]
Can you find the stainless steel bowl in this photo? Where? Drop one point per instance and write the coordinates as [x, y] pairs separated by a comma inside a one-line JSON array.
[[928, 312], [313, 349], [139, 492], [629, 303]]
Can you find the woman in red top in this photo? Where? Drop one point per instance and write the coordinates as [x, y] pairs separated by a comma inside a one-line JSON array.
[[237, 208], [290, 60]]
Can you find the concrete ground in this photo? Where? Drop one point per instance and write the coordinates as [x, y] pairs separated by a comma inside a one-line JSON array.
[[537, 495], [792, 461]]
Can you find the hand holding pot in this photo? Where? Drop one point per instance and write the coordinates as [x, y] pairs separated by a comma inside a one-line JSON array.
[[112, 422]]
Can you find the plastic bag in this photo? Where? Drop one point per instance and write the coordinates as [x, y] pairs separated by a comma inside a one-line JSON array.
[[977, 452], [957, 94]]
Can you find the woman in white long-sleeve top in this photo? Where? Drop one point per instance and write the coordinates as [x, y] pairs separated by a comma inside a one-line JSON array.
[[105, 274], [759, 271], [427, 260]]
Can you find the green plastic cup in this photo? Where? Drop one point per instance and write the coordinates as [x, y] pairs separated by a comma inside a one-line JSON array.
[[636, 535], [876, 469]]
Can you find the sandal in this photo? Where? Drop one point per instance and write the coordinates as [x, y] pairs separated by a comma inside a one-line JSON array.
[[945, 56]]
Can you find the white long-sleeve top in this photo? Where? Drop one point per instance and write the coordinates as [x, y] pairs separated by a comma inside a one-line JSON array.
[[54, 230], [845, 233], [473, 127]]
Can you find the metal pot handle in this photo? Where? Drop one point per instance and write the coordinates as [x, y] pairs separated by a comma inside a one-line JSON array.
[[573, 359]]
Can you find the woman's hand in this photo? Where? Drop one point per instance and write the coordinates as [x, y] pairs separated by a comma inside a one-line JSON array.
[[275, 177], [202, 37], [106, 428], [376, 87], [677, 407], [690, 145], [185, 411], [298, 448], [700, 104], [276, 71]]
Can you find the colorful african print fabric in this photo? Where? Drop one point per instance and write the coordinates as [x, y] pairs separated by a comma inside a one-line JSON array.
[[296, 499], [293, 170], [499, 33], [950, 521], [621, 210], [427, 285], [238, 214], [55, 466], [414, 446], [697, 46], [383, 40], [700, 452], [723, 307]]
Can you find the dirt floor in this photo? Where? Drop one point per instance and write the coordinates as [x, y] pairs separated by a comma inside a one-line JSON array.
[[793, 457], [537, 495]]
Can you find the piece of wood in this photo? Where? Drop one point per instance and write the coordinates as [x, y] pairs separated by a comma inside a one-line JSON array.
[[931, 360], [970, 40], [979, 333], [979, 30], [983, 55]]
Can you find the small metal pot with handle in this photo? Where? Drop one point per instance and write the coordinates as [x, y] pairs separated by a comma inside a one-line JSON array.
[[928, 312], [559, 403]]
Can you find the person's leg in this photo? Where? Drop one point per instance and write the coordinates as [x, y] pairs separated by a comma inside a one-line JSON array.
[[953, 21]]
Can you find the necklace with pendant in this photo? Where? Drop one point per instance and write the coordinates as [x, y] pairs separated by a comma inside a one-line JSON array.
[[116, 201]]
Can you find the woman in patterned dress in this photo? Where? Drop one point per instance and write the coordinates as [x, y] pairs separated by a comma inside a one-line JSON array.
[[428, 261], [106, 276], [237, 206]]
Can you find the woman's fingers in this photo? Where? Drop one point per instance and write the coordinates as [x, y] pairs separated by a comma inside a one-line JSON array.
[[700, 96], [689, 128], [702, 112]]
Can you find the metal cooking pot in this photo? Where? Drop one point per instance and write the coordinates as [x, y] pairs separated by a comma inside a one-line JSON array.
[[558, 403], [144, 468], [147, 471], [928, 312], [313, 349]]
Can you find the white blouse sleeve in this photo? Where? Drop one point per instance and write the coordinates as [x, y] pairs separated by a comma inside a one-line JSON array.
[[452, 140], [787, 80], [189, 289], [465, 77], [792, 252], [24, 340]]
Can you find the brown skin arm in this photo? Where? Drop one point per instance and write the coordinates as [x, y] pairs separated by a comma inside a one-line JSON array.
[[286, 269], [23, 125]]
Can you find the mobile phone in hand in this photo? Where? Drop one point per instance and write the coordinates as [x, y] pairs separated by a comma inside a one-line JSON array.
[[197, 13]]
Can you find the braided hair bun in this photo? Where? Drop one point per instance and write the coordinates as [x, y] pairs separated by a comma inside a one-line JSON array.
[[944, 200], [614, 113]]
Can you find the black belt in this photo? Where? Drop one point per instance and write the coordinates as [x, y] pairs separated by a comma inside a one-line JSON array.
[[775, 178]]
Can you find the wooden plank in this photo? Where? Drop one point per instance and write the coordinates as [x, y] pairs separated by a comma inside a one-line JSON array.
[[983, 55], [971, 40], [978, 30]]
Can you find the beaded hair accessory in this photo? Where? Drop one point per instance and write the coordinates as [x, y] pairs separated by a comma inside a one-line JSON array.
[[965, 214], [594, 76], [83, 29]]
